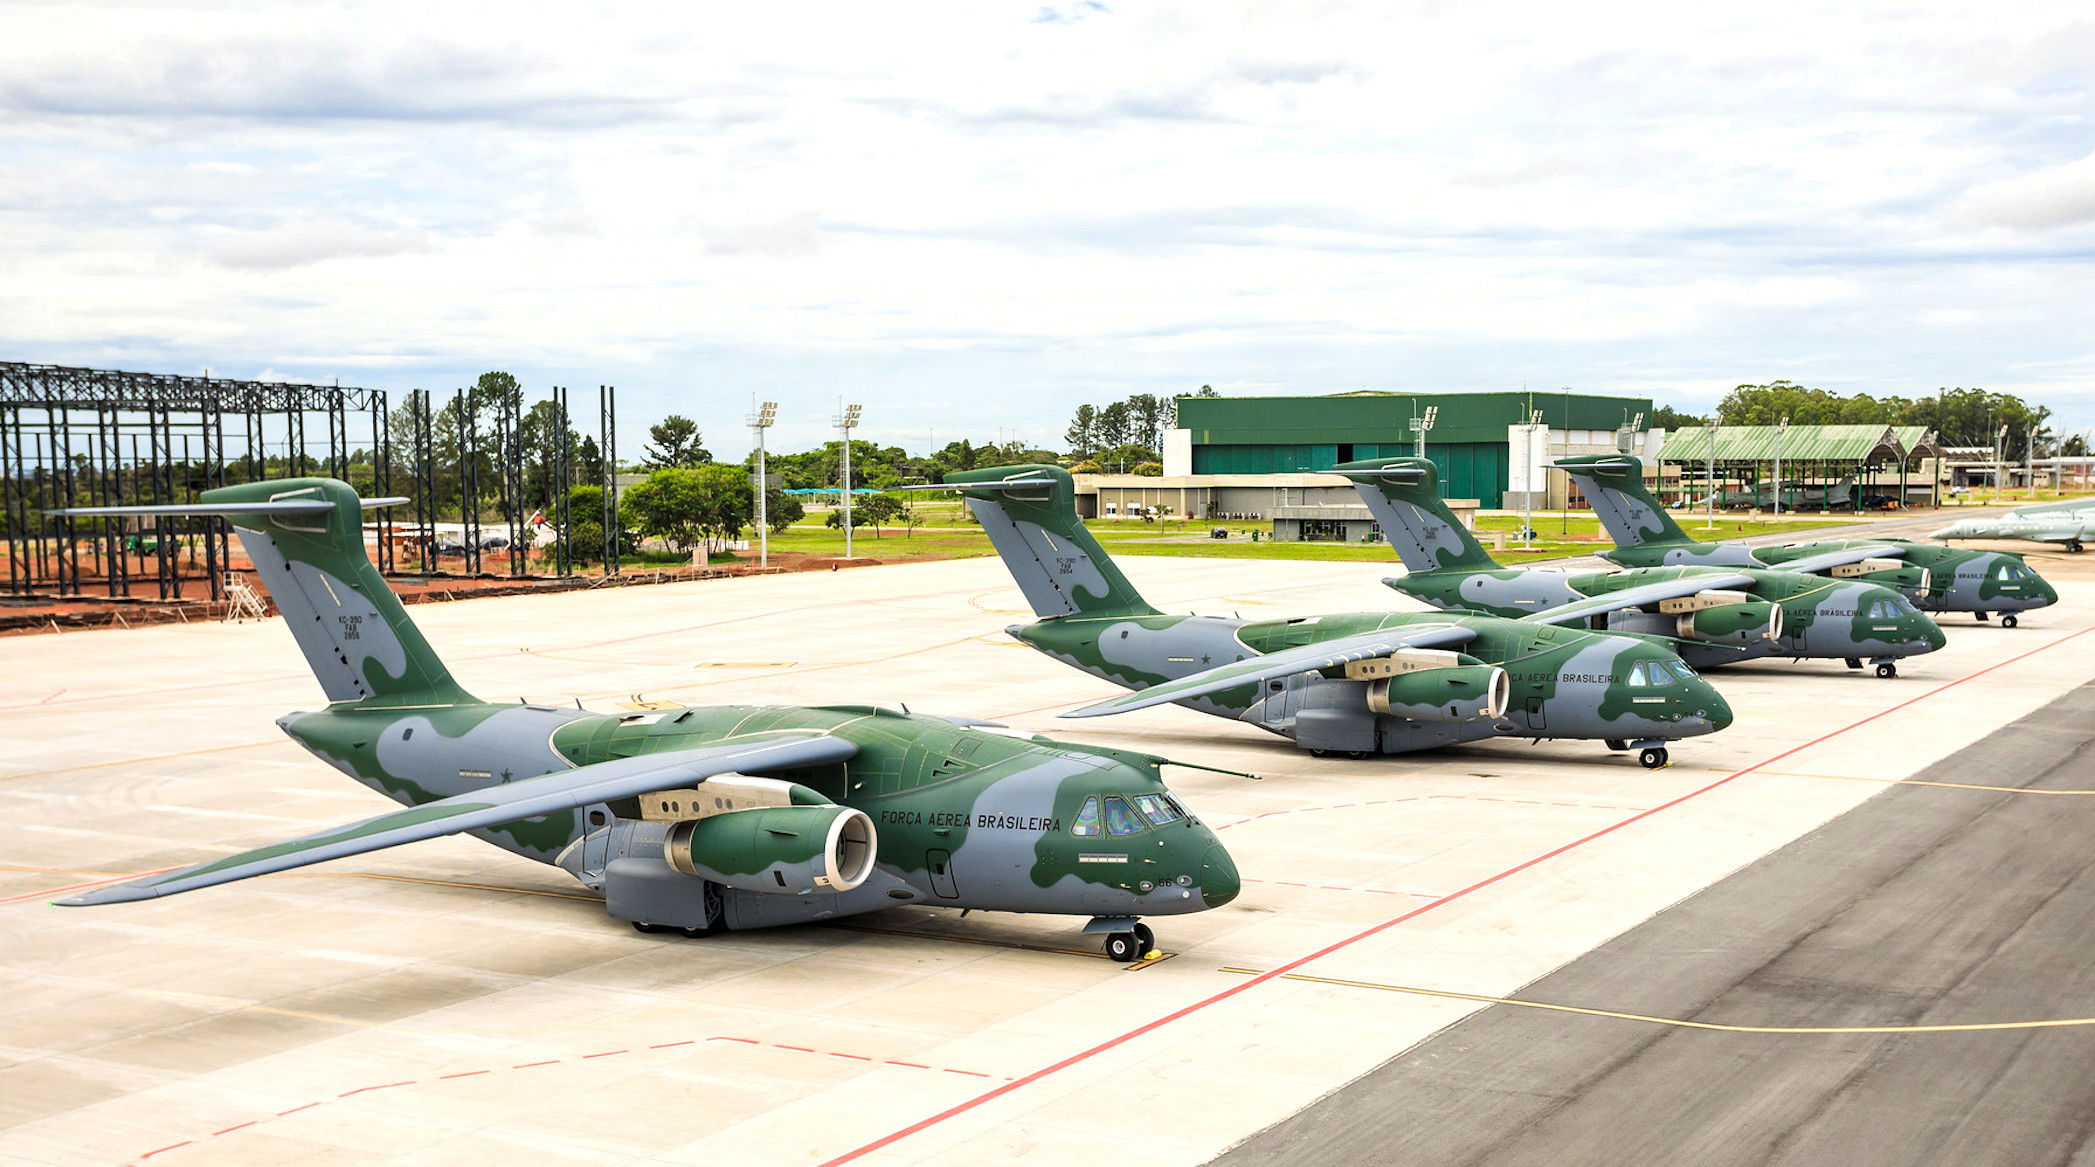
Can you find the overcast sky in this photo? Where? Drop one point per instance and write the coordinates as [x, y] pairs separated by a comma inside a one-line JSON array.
[[972, 217]]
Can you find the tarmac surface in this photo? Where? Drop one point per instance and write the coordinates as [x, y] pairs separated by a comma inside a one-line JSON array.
[[449, 1003], [1925, 909]]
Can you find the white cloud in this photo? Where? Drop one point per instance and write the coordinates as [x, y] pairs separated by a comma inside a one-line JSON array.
[[967, 209]]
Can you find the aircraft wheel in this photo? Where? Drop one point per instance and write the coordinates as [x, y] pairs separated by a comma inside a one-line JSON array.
[[2073, 545], [1652, 758], [1124, 947], [2009, 620], [1320, 753], [1887, 670], [1145, 941], [695, 933], [648, 929], [1853, 663], [1357, 755]]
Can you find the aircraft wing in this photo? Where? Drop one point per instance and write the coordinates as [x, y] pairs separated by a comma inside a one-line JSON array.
[[1637, 597], [1285, 663], [1828, 560], [522, 799]]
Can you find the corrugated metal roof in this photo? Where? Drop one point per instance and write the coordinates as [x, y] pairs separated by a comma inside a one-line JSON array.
[[1822, 443]]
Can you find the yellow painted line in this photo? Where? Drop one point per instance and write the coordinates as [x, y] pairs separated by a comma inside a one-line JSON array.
[[145, 760], [1920, 782], [1681, 1023]]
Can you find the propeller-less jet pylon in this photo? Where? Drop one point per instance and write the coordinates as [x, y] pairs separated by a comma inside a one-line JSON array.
[[704, 818], [1936, 579], [1713, 615], [1351, 683]]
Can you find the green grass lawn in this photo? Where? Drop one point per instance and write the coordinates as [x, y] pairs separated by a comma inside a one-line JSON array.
[[946, 531]]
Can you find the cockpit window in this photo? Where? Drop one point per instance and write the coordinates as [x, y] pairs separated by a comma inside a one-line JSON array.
[[1158, 809], [2009, 569], [1086, 822], [1637, 678], [1884, 609], [1119, 819], [1652, 673], [1679, 669]]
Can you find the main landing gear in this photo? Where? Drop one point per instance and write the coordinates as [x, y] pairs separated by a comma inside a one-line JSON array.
[[1356, 755], [1127, 939], [660, 929], [2073, 545], [1651, 754]]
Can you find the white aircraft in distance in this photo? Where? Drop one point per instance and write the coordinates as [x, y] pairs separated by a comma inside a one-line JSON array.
[[2071, 523]]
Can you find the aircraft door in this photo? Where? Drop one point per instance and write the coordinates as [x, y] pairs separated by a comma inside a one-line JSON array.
[[1282, 699], [1535, 707], [940, 864]]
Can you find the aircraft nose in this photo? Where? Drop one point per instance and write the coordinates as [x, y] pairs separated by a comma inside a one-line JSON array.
[[1930, 632], [1219, 882], [1705, 697]]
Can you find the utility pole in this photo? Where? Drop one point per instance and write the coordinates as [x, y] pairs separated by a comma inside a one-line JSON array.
[[846, 422], [759, 422]]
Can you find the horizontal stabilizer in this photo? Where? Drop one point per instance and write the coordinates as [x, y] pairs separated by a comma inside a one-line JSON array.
[[523, 799], [1286, 663], [1008, 484], [282, 506]]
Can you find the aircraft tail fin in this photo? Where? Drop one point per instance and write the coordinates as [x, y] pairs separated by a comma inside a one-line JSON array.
[[1404, 495], [1030, 513], [306, 539], [1614, 484]]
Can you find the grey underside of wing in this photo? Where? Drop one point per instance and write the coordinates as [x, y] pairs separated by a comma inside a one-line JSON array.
[[1286, 663], [1636, 597], [1832, 559], [522, 799]]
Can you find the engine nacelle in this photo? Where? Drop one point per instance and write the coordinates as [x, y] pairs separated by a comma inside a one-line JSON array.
[[1740, 623], [780, 850], [1458, 693], [1890, 573]]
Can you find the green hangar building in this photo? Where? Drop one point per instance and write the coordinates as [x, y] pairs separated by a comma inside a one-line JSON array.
[[1492, 447]]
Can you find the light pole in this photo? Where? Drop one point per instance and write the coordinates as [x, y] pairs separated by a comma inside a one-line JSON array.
[[1527, 510], [1419, 427], [846, 422], [759, 422], [1781, 428], [1709, 503]]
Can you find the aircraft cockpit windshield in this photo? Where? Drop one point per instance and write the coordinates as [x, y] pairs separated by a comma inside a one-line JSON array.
[[1118, 816], [1652, 673], [1884, 609], [2009, 569]]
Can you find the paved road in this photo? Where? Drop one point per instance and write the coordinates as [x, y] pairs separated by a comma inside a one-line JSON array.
[[1922, 906]]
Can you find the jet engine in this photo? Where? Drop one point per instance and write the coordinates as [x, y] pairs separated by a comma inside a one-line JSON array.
[[1723, 617], [782, 850], [1455, 693]]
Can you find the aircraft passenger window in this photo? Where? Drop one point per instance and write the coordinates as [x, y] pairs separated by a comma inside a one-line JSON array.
[[1119, 819], [1086, 822], [1157, 809]]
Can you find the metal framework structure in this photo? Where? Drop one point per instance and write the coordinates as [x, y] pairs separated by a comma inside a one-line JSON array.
[[100, 437]]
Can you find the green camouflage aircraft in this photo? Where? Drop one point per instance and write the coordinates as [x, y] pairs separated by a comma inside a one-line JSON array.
[[1936, 579], [702, 819], [1352, 683], [1714, 615]]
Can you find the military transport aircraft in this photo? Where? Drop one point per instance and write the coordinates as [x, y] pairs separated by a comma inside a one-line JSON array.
[[1353, 683], [1936, 579], [1713, 615], [706, 818], [2071, 524]]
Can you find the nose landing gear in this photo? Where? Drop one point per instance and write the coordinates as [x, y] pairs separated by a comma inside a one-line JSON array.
[[1127, 939], [1651, 752], [2009, 620]]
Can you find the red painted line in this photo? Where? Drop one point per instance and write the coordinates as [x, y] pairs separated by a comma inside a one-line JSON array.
[[467, 1074], [231, 1129], [34, 895], [1367, 933], [911, 1065], [969, 1073], [608, 1053], [368, 1089], [166, 1149], [737, 1040], [798, 1049], [853, 1057], [528, 1065], [672, 1044]]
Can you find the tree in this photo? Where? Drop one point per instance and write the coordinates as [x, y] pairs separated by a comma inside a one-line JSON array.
[[1115, 426], [1147, 469], [1147, 416], [1082, 435], [585, 522], [782, 510], [873, 508], [589, 461], [684, 504], [1121, 458], [1665, 417], [675, 443]]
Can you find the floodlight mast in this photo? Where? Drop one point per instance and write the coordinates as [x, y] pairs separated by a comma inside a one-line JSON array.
[[1709, 502], [1527, 509], [1781, 428], [1419, 426], [760, 421], [847, 421]]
